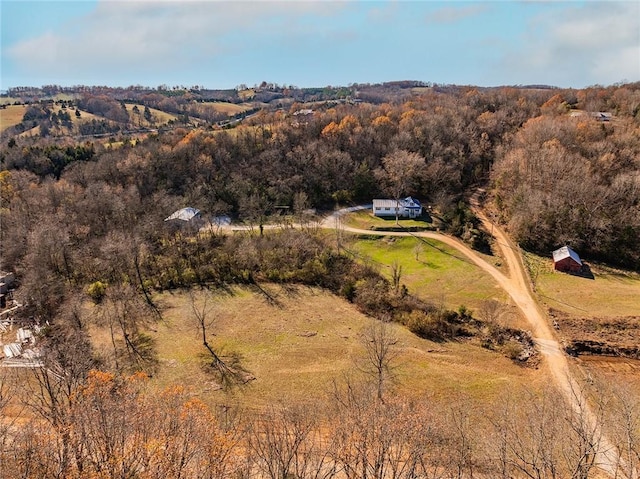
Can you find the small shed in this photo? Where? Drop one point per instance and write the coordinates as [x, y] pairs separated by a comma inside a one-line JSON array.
[[565, 259], [185, 214]]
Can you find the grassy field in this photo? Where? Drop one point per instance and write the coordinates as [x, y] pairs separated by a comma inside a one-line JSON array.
[[247, 94], [611, 292], [227, 108], [439, 273], [160, 116], [297, 348], [11, 116]]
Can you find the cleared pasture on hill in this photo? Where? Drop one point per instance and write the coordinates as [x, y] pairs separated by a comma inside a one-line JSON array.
[[431, 270], [159, 116], [611, 292], [310, 338], [229, 109], [11, 116]]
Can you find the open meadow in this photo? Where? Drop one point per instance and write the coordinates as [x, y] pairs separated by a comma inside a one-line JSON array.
[[310, 338], [11, 115], [611, 291], [227, 108], [158, 116]]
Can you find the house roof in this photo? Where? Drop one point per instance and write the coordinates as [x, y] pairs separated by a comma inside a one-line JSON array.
[[383, 203], [407, 202], [566, 252], [185, 214], [410, 202]]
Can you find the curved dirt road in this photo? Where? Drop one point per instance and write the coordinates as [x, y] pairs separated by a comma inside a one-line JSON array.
[[517, 285]]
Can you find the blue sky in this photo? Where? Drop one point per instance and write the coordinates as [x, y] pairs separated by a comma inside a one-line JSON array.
[[222, 44]]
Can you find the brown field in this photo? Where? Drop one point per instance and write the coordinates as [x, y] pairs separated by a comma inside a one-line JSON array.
[[247, 94], [11, 116], [618, 374], [311, 338], [227, 108], [611, 292], [160, 116], [8, 100]]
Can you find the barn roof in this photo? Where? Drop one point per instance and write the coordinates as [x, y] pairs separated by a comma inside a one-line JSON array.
[[185, 214], [566, 252]]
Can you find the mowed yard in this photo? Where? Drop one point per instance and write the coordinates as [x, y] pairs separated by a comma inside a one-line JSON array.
[[431, 270], [298, 348]]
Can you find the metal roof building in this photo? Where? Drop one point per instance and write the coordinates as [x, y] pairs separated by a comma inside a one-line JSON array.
[[185, 214], [565, 259], [407, 207]]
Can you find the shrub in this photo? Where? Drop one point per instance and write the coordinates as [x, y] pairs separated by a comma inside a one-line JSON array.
[[513, 350], [96, 291]]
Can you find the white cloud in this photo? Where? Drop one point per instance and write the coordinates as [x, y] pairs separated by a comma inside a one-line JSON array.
[[159, 35], [598, 42]]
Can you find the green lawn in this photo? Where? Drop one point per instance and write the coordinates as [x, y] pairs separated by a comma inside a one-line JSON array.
[[439, 273]]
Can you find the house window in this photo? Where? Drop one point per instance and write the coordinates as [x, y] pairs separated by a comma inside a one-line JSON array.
[[377, 208], [387, 209]]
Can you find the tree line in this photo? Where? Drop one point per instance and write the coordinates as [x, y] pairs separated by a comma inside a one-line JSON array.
[[114, 426]]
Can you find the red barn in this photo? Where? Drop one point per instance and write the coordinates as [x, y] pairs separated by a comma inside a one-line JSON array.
[[565, 259]]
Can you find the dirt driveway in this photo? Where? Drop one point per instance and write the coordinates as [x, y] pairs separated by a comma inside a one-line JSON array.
[[516, 284]]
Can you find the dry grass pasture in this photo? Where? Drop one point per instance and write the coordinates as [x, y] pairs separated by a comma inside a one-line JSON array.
[[11, 116], [229, 109], [161, 117], [611, 292], [298, 347]]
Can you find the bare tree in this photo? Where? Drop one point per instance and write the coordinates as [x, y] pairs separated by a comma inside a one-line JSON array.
[[227, 369], [624, 416], [529, 438], [396, 275], [400, 172], [380, 355], [126, 315], [492, 312], [6, 423], [287, 442], [583, 451]]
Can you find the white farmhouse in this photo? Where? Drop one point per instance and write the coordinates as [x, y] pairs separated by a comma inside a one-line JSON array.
[[406, 208]]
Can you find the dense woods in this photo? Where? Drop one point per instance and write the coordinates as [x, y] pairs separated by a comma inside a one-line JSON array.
[[82, 221]]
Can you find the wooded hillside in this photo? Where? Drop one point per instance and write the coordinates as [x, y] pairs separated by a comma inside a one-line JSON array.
[[82, 226]]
